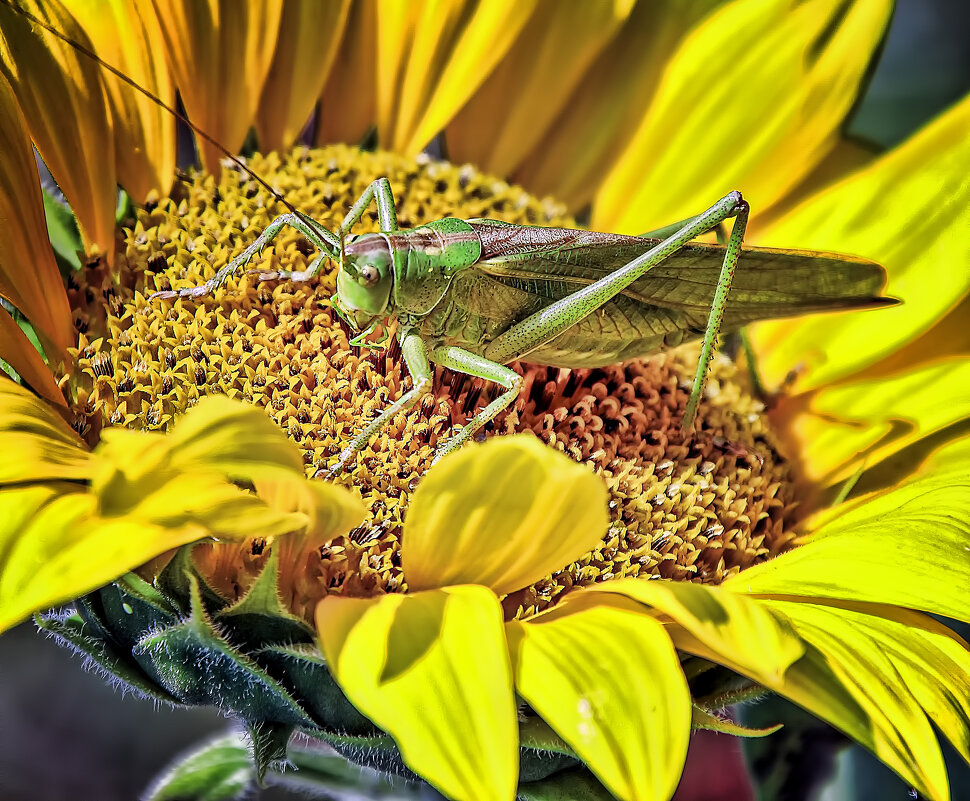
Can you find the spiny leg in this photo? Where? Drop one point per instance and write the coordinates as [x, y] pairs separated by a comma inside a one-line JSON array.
[[416, 358], [379, 190], [269, 233], [548, 323], [728, 267], [463, 361]]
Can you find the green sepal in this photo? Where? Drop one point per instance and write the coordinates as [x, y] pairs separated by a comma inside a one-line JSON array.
[[303, 670], [542, 752], [705, 719], [268, 742], [380, 752], [115, 665], [575, 784], [259, 618], [130, 607], [174, 582], [219, 770], [197, 665]]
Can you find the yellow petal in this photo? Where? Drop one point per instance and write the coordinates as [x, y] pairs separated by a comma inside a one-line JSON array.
[[870, 420], [823, 687], [37, 444], [29, 278], [609, 682], [751, 101], [330, 510], [309, 35], [62, 97], [220, 52], [910, 211], [933, 663], [601, 116], [54, 547], [746, 632], [236, 439], [433, 57], [509, 116], [127, 36], [348, 104], [432, 670], [879, 682], [503, 514], [19, 352], [907, 547]]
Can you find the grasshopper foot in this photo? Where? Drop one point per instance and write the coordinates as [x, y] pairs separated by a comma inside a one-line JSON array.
[[337, 467], [186, 292]]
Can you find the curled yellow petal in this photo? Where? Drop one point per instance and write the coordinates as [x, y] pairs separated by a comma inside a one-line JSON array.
[[54, 546], [29, 278], [432, 670], [62, 97], [740, 629], [19, 352], [907, 547], [38, 445], [503, 514], [869, 420], [752, 100], [910, 211], [609, 682]]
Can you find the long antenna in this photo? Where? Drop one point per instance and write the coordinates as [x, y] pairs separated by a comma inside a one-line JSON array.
[[156, 99]]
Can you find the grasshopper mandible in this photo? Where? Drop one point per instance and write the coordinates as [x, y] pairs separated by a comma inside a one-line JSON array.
[[474, 295]]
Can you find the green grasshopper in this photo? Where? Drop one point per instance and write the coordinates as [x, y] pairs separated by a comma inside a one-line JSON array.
[[474, 295]]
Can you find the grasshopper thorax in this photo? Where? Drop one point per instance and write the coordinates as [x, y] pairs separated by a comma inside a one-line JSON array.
[[364, 280]]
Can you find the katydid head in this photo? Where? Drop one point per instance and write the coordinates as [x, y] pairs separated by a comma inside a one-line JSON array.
[[364, 281]]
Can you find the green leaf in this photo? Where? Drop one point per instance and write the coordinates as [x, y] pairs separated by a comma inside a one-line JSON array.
[[609, 682], [432, 670], [502, 514], [906, 547], [220, 770], [62, 232]]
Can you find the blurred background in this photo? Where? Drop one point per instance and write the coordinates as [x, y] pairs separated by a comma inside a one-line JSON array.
[[65, 734]]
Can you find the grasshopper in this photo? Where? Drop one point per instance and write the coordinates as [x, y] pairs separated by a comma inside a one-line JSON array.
[[474, 295]]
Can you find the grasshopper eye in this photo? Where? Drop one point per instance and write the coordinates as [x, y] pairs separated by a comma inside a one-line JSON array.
[[369, 275]]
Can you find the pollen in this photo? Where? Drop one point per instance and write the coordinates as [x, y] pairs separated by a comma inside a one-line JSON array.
[[696, 506]]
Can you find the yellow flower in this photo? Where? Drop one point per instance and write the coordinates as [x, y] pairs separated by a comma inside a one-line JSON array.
[[515, 573]]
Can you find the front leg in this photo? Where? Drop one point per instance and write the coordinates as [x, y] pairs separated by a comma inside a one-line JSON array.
[[270, 233], [416, 357]]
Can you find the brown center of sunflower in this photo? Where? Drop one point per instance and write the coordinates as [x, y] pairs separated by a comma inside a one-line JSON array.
[[688, 507]]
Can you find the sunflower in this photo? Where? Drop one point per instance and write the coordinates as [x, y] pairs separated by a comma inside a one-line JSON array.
[[545, 613]]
